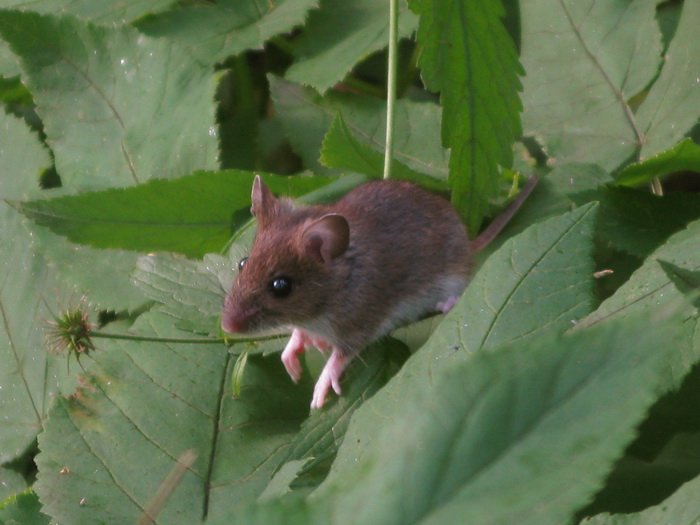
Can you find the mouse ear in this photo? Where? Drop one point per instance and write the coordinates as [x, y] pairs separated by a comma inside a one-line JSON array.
[[327, 238], [263, 201]]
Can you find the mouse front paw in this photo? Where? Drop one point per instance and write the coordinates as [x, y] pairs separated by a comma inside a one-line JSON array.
[[329, 378]]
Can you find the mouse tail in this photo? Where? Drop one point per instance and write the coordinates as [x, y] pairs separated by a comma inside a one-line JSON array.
[[495, 227]]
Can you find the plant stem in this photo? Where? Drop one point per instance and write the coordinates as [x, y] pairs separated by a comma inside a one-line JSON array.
[[156, 339], [656, 187], [391, 86], [189, 340]]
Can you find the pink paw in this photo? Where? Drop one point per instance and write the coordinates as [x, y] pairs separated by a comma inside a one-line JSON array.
[[446, 305], [290, 354], [330, 377]]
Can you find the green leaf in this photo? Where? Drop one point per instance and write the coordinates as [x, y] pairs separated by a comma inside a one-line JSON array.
[[82, 269], [100, 93], [117, 451], [523, 434], [672, 107], [686, 281], [339, 35], [684, 156], [638, 222], [537, 282], [11, 483], [477, 77], [30, 295], [105, 12], [650, 287], [211, 32], [22, 156], [306, 118], [584, 63], [191, 215], [341, 150], [23, 509], [682, 508]]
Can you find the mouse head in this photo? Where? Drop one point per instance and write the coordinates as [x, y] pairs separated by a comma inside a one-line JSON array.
[[289, 274]]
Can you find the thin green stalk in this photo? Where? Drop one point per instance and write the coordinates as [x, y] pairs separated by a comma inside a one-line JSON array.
[[656, 187], [391, 86], [189, 340]]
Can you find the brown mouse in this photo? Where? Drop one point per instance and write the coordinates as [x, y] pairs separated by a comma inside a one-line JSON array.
[[343, 275]]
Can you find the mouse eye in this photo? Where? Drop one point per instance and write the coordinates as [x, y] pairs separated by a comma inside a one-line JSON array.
[[241, 263], [281, 286]]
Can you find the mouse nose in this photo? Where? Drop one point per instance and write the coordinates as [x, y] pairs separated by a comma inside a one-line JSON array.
[[236, 319]]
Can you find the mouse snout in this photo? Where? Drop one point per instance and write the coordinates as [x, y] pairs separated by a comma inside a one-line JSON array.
[[236, 319]]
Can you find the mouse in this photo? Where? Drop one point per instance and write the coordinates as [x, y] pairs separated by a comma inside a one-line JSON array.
[[342, 275]]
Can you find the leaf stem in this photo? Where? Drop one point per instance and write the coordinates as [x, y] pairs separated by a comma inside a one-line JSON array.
[[391, 86], [188, 340], [156, 339], [656, 187]]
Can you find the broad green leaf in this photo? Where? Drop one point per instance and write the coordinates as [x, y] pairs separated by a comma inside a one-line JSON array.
[[117, 451], [523, 434], [8, 63], [30, 295], [339, 35], [99, 11], [213, 31], [672, 107], [641, 478], [23, 509], [584, 61], [100, 93], [682, 508], [192, 292], [638, 222], [23, 158], [306, 117], [650, 286], [82, 269], [191, 215], [324, 430], [11, 483], [684, 156], [686, 281], [477, 77], [537, 282], [341, 150], [280, 482]]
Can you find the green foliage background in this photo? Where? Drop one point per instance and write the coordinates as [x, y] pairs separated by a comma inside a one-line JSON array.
[[554, 392]]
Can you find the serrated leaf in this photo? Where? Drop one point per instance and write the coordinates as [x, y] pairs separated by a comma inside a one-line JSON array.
[[117, 451], [686, 281], [637, 222], [324, 430], [672, 107], [548, 265], [192, 215], [342, 150], [22, 156], [682, 508], [339, 35], [477, 77], [306, 116], [650, 287], [82, 269], [100, 92], [11, 482], [22, 509], [523, 434], [99, 11], [30, 295], [684, 156], [584, 62], [211, 32]]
